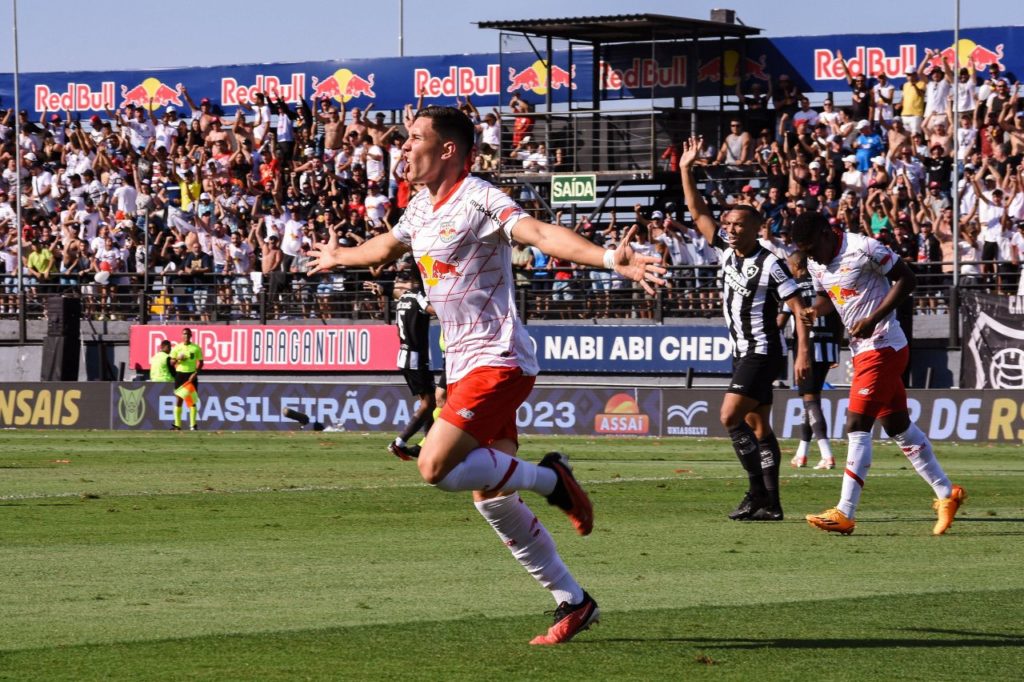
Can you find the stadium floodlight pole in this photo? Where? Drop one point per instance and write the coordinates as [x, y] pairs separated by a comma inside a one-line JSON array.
[[401, 28], [17, 182], [955, 126]]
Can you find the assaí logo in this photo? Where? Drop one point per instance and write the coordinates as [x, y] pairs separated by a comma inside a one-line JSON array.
[[686, 414]]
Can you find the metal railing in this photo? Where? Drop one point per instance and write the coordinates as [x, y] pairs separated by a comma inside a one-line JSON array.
[[353, 295]]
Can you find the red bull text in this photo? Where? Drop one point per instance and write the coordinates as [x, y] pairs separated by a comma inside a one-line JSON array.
[[76, 97], [866, 61], [232, 93], [459, 82], [644, 73]]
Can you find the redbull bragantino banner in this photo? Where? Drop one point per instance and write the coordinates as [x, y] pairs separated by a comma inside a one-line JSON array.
[[993, 341], [964, 416], [626, 71]]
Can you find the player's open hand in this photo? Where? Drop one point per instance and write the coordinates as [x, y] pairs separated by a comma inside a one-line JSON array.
[[802, 366], [632, 265], [807, 315], [322, 255]]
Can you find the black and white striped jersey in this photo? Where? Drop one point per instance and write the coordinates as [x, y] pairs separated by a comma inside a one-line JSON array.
[[827, 331], [753, 287]]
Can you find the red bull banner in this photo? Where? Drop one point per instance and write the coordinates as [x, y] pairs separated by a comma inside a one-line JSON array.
[[292, 348], [623, 71]]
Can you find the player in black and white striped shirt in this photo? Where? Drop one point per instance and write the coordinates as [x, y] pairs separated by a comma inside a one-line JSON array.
[[825, 333], [754, 284]]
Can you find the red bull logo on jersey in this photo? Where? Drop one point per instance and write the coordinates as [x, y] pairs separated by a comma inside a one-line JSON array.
[[343, 85], [433, 270], [966, 52], [535, 78], [151, 94], [76, 97], [842, 295], [446, 232], [729, 64], [645, 73]]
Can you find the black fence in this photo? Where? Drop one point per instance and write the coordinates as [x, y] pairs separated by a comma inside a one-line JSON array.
[[354, 295]]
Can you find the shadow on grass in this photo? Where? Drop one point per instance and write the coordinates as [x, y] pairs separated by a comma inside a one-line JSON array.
[[740, 643]]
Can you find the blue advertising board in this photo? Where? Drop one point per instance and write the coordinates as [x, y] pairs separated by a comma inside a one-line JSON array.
[[625, 71], [618, 349]]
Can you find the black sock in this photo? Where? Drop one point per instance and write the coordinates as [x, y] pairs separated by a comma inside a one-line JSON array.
[[770, 456], [817, 419], [744, 442], [417, 422]]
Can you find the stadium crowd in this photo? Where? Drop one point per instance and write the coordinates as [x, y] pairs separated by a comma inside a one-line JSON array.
[[217, 209]]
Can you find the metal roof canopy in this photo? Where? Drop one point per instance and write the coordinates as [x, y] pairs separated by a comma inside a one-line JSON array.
[[623, 28]]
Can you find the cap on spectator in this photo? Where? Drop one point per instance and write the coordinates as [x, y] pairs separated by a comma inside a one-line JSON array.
[[910, 71], [850, 159], [658, 215], [372, 185], [833, 221], [95, 118], [933, 184], [205, 196], [179, 245], [30, 156], [862, 124], [746, 188], [171, 110], [145, 182], [989, 176], [814, 164], [215, 119], [205, 100], [54, 117], [801, 202], [878, 160], [969, 167]]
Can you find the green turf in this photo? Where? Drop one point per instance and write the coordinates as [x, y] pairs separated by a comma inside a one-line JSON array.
[[318, 556]]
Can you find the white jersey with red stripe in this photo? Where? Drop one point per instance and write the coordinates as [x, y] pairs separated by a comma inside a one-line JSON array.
[[856, 282], [462, 246]]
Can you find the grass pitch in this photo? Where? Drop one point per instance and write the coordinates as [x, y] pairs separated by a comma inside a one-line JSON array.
[[245, 556]]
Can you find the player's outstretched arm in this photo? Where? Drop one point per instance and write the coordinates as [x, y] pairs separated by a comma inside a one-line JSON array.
[[565, 244], [694, 201], [383, 248]]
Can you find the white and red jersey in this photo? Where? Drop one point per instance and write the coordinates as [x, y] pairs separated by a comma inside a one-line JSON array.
[[856, 282], [462, 246]]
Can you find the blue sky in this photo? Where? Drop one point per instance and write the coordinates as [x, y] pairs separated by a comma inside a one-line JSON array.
[[66, 35]]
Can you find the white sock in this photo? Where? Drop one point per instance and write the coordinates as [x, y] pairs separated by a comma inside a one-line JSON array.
[[489, 469], [825, 448], [531, 545], [918, 449], [858, 461], [399, 442], [801, 450]]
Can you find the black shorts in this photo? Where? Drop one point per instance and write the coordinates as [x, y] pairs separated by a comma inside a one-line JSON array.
[[753, 376], [815, 380], [990, 251], [182, 377], [442, 379], [420, 381]]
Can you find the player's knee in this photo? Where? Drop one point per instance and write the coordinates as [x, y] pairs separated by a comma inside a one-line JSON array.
[[730, 418], [430, 471]]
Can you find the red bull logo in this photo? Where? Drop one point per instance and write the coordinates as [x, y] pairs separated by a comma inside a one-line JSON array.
[[865, 61], [729, 65], [76, 97], [343, 85], [967, 52], [535, 78], [433, 270], [644, 73], [151, 94], [842, 295], [232, 93], [459, 82]]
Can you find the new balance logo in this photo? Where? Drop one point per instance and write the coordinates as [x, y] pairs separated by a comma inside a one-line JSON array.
[[737, 385], [864, 391], [465, 413]]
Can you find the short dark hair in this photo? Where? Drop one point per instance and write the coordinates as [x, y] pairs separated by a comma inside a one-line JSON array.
[[451, 125], [807, 226], [746, 208]]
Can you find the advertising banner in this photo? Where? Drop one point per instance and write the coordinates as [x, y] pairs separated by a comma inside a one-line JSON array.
[[616, 349], [293, 348], [252, 406], [69, 405], [993, 341], [624, 71]]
